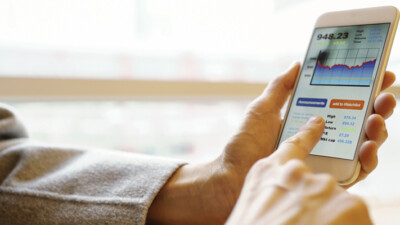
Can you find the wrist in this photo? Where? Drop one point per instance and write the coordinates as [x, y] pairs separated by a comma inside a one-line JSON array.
[[177, 199], [196, 194]]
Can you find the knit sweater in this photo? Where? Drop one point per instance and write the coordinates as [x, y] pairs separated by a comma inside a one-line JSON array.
[[43, 184]]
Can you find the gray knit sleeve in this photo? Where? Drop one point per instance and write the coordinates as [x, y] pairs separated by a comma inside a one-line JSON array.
[[42, 184]]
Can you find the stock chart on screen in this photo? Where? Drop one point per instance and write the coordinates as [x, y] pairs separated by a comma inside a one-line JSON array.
[[345, 67]]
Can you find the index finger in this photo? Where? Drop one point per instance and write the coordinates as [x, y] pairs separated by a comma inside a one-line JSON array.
[[301, 144]]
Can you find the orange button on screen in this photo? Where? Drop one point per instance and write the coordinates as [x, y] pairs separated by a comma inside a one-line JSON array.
[[346, 104]]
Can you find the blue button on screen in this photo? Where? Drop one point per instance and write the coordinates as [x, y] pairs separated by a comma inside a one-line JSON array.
[[312, 102]]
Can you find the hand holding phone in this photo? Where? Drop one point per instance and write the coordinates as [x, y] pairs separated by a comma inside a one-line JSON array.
[[341, 76]]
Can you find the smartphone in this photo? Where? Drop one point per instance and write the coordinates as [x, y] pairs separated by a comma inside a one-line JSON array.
[[341, 76]]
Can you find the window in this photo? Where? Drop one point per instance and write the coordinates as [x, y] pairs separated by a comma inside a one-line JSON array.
[[79, 46]]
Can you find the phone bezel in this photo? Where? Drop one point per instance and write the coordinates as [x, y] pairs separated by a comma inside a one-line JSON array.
[[343, 170]]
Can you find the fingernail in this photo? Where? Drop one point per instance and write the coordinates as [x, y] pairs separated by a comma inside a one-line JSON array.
[[315, 120]]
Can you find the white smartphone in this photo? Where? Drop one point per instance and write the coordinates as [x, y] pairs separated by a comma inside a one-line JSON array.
[[341, 75]]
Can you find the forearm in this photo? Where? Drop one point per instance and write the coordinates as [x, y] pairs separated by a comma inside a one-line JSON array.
[[38, 181]]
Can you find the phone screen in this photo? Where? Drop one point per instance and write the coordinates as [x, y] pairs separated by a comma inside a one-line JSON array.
[[336, 82]]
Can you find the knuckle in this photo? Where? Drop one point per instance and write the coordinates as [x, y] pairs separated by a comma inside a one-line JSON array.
[[321, 185], [261, 166], [295, 164], [295, 167], [293, 140], [259, 110], [357, 204], [297, 142], [328, 180]]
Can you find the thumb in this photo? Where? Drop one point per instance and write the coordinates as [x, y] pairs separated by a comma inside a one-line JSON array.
[[302, 143], [263, 119], [274, 96]]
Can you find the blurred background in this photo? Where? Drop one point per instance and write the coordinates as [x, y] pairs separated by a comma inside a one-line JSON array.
[[148, 49]]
